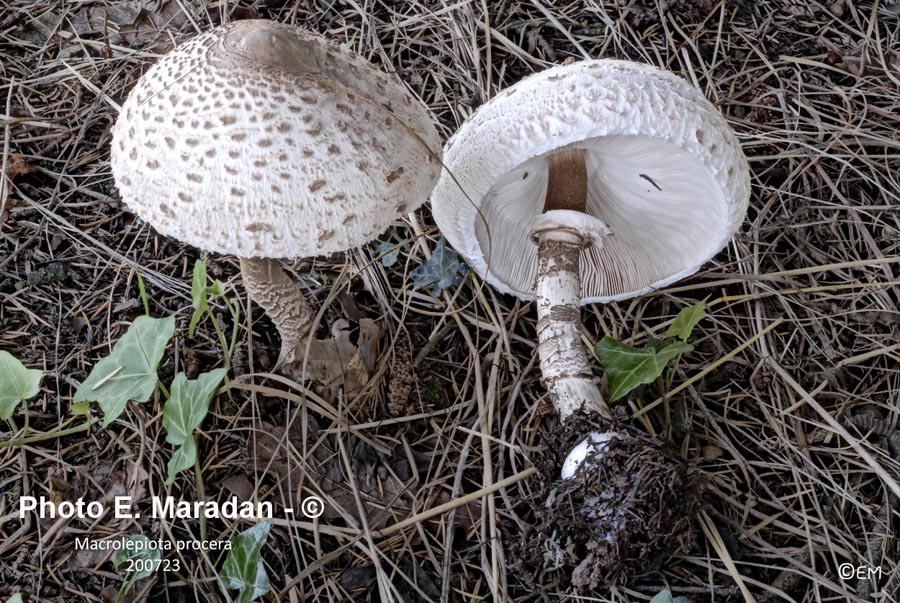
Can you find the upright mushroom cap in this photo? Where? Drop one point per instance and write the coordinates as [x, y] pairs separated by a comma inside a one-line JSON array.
[[264, 140], [666, 175]]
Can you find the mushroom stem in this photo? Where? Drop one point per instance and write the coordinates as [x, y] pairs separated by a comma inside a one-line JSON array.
[[561, 232], [565, 364], [270, 287]]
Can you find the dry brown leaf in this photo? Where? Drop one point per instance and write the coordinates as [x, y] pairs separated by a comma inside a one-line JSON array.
[[155, 16], [102, 20], [240, 486], [337, 362], [141, 24], [129, 481], [861, 68], [16, 166], [858, 65]]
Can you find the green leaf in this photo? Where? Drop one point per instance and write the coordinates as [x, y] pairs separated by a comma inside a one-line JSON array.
[[627, 367], [665, 596], [129, 372], [687, 319], [15, 599], [17, 383], [188, 404], [388, 253], [441, 271], [243, 568], [185, 410], [198, 295], [142, 290], [140, 550], [217, 289], [182, 460]]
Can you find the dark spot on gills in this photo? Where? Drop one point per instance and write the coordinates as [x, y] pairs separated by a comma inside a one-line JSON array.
[[651, 181]]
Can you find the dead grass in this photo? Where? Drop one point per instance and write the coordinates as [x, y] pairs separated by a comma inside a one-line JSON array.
[[802, 333]]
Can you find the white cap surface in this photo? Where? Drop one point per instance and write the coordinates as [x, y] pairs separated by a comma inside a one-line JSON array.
[[666, 175], [264, 140]]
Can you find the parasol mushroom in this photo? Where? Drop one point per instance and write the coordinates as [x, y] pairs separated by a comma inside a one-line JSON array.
[[266, 141], [593, 182], [590, 182]]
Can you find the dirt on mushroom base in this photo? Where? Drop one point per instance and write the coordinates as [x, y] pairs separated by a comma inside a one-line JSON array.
[[620, 516]]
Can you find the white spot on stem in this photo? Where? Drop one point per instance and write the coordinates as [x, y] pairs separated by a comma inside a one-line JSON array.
[[595, 442]]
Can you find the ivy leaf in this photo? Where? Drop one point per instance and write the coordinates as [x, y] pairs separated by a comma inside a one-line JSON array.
[[184, 411], [188, 404], [665, 596], [217, 289], [243, 568], [182, 460], [140, 550], [441, 271], [388, 253], [198, 295], [129, 372], [627, 367], [17, 383], [687, 319]]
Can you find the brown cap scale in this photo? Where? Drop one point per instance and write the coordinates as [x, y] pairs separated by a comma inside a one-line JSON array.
[[264, 140]]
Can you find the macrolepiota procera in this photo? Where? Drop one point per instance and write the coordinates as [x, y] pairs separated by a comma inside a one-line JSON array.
[[267, 141], [590, 182]]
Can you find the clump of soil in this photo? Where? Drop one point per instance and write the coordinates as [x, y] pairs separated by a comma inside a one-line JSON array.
[[618, 517]]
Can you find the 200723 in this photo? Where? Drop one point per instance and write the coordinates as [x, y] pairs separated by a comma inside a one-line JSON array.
[[151, 565]]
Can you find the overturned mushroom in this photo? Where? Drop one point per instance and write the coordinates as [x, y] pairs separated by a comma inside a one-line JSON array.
[[267, 141], [591, 182]]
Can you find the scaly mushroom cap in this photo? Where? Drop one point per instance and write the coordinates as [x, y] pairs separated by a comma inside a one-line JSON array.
[[263, 140], [666, 175]]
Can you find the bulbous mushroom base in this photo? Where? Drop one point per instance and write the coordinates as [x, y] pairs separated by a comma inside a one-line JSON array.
[[631, 503]]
